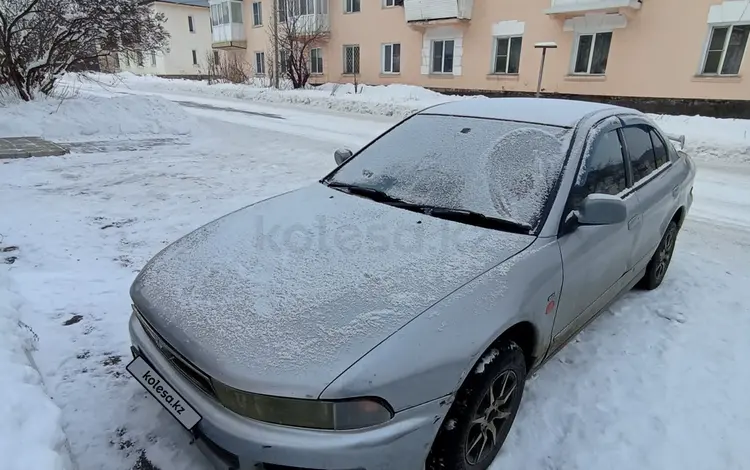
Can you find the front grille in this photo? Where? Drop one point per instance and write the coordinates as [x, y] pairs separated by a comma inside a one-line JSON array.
[[180, 364]]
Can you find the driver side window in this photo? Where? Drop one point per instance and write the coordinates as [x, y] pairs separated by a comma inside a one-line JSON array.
[[602, 170]]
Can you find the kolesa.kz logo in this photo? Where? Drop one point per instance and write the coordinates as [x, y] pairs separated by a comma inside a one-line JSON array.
[[155, 384]]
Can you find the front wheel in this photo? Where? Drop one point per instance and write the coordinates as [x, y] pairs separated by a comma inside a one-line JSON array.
[[484, 410], [657, 267]]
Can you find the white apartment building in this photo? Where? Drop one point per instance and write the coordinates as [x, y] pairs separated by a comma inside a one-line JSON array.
[[189, 25]]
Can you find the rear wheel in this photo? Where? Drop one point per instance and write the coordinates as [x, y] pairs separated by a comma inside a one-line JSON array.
[[657, 267], [484, 410]]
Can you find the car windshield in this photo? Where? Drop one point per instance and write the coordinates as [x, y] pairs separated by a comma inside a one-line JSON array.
[[500, 169]]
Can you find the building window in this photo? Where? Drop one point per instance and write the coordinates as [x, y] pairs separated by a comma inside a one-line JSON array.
[[442, 56], [282, 13], [257, 13], [316, 60], [139, 58], [591, 53], [260, 63], [507, 55], [126, 59], [284, 62], [352, 6], [153, 58], [226, 13], [391, 58], [217, 59], [725, 50], [351, 60], [195, 57], [190, 24], [389, 3]]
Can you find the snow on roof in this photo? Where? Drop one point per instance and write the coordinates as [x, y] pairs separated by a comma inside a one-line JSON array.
[[549, 111], [191, 3]]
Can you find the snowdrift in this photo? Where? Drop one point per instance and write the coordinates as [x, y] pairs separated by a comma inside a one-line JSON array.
[[87, 116], [31, 435]]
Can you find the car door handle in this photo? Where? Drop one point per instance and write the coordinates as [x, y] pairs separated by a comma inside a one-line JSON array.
[[634, 222], [675, 191]]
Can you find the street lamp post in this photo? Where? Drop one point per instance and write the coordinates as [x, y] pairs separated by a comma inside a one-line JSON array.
[[543, 46]]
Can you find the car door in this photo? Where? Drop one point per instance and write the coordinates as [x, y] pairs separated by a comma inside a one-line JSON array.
[[596, 258], [655, 185]]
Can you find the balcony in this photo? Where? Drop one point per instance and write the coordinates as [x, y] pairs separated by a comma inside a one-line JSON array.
[[437, 11], [227, 28], [581, 7], [305, 18]]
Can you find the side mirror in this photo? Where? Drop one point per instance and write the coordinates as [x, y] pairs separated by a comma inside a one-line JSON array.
[[602, 209], [342, 155]]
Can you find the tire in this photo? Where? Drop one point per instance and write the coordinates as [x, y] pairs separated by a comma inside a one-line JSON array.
[[659, 263], [458, 442]]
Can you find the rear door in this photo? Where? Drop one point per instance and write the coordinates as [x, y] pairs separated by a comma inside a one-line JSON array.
[[596, 259], [655, 184]]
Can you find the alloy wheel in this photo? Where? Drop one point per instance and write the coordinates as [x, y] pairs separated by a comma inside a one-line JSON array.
[[664, 256], [493, 412]]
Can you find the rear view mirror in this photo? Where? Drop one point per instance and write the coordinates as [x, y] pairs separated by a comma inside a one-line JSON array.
[[342, 155], [602, 209]]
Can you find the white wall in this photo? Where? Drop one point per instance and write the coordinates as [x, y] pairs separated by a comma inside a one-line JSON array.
[[178, 60]]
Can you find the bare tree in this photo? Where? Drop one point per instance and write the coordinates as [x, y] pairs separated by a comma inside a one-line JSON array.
[[298, 31], [227, 68], [42, 39]]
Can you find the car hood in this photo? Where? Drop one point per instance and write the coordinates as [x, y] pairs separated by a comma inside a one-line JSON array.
[[282, 296]]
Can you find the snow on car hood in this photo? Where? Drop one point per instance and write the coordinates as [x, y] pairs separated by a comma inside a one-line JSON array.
[[282, 296]]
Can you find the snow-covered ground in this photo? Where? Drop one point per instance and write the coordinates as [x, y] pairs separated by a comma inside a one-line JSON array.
[[658, 382]]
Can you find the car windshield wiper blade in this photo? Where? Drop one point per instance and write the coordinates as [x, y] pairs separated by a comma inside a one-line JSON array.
[[477, 218], [457, 215], [371, 193]]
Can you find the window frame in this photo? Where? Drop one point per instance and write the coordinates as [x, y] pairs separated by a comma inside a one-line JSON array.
[[349, 6], [383, 62], [359, 59], [140, 61], [153, 58], [195, 57], [262, 56], [191, 24], [257, 15], [313, 61], [389, 3], [589, 59], [638, 122], [442, 58], [216, 57], [725, 45], [495, 48]]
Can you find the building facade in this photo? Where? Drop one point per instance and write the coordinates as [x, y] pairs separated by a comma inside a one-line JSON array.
[[190, 43], [632, 48]]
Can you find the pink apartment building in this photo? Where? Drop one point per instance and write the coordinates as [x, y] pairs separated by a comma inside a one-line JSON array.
[[679, 49]]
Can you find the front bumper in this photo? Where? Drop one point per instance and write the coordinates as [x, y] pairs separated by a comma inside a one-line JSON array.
[[231, 441]]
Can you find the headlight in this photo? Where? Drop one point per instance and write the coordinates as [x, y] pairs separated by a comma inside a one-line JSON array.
[[332, 415]]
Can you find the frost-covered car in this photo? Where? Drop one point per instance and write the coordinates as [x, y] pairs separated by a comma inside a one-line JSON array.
[[387, 316]]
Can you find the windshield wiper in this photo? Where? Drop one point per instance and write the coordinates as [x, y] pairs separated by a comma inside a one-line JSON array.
[[372, 193], [457, 215], [479, 219]]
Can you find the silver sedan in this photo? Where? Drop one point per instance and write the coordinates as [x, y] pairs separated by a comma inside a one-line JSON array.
[[388, 315]]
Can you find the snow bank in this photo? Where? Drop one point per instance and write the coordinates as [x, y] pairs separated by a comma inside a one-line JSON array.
[[86, 116], [706, 138], [31, 435], [384, 100]]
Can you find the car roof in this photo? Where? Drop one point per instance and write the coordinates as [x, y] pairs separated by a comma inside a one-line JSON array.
[[549, 111]]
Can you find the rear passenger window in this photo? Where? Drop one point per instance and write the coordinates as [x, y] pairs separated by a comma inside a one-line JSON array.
[[602, 170], [660, 150], [641, 152]]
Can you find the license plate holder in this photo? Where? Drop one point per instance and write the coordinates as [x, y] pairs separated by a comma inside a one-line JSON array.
[[163, 392]]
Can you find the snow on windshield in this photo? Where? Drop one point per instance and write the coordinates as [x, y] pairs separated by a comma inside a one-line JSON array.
[[498, 168]]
